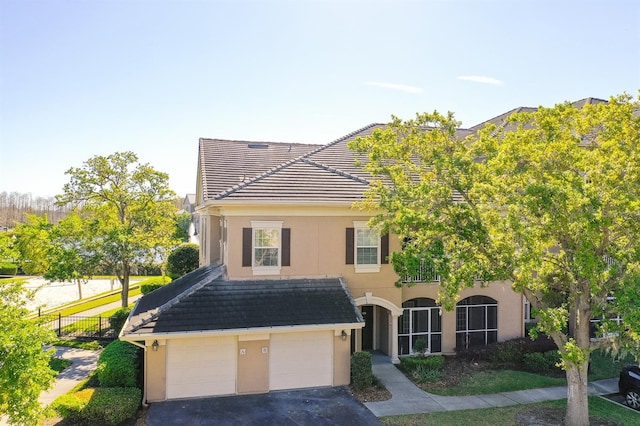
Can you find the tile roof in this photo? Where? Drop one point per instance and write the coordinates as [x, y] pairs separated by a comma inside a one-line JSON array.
[[205, 302], [226, 163]]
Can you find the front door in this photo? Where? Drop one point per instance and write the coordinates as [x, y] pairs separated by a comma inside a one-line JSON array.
[[367, 330]]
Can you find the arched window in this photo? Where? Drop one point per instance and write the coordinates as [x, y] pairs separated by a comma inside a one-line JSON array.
[[476, 321], [420, 320]]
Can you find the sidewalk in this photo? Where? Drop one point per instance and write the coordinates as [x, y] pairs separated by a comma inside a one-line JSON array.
[[83, 363], [407, 398]]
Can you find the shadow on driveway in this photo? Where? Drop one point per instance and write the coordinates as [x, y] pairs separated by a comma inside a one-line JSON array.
[[318, 406]]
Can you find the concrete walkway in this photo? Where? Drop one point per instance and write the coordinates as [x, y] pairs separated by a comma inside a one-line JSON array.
[[407, 398], [83, 363]]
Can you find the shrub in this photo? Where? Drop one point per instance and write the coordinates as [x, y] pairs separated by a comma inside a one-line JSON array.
[[541, 361], [183, 259], [508, 351], [423, 373], [117, 320], [150, 284], [118, 365], [432, 362], [361, 374], [420, 346], [99, 405], [7, 268]]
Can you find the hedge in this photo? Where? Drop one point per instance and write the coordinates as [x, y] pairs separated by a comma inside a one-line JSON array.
[[8, 268], [183, 259], [99, 405], [118, 365], [432, 362], [150, 284], [117, 320], [361, 374]]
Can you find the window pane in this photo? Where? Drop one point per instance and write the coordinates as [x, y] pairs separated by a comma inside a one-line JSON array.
[[367, 256], [476, 338], [267, 238], [403, 345], [366, 237], [492, 336], [436, 343], [476, 317], [403, 322], [492, 317], [436, 323], [461, 318], [420, 321], [266, 256]]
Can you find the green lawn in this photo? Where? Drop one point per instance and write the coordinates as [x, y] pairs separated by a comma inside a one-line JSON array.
[[92, 302], [599, 408], [496, 381], [58, 364]]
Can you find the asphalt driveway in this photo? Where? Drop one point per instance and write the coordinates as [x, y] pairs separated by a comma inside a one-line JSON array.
[[317, 406]]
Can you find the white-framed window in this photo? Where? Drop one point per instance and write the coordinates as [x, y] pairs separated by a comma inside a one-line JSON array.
[[366, 248], [476, 321], [421, 319], [266, 253]]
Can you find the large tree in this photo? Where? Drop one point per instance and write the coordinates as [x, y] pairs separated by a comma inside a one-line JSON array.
[[130, 204], [73, 253], [33, 240], [24, 364], [550, 201]]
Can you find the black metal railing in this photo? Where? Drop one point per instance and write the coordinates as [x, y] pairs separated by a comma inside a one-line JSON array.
[[93, 327]]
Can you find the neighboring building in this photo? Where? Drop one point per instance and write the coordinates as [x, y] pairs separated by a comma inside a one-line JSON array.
[[293, 281]]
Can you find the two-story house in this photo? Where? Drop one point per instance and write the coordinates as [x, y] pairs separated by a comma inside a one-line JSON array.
[[293, 281]]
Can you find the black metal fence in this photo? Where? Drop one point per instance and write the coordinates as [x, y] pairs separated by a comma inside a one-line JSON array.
[[95, 327]]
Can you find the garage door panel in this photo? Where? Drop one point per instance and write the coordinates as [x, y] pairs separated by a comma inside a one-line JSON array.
[[300, 360], [201, 367]]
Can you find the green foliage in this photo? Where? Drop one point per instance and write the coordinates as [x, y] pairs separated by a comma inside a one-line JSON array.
[[183, 259], [420, 346], [33, 242], [59, 364], [25, 371], [361, 373], [434, 362], [150, 284], [423, 369], [130, 208], [551, 202], [117, 320], [73, 253], [91, 406], [183, 220], [539, 362], [7, 268], [118, 365]]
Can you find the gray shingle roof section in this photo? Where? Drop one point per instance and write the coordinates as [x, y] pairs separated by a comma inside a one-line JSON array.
[[218, 305], [302, 181], [226, 163]]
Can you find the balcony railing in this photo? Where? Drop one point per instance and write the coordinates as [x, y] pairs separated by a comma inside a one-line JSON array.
[[426, 273]]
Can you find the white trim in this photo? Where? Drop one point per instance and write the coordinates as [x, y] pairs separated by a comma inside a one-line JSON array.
[[369, 267], [242, 331]]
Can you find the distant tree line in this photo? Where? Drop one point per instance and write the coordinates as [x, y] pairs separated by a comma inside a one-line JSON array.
[[14, 206]]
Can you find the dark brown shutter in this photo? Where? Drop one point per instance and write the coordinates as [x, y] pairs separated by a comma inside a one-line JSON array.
[[246, 246], [384, 249], [286, 246], [350, 247]]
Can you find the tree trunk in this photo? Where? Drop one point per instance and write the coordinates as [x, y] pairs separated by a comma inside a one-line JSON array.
[[577, 396], [126, 271], [79, 282]]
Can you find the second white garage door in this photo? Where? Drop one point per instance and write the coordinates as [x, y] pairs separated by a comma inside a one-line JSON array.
[[201, 367], [301, 360]]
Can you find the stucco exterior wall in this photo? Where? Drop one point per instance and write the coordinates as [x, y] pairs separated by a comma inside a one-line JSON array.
[[156, 372]]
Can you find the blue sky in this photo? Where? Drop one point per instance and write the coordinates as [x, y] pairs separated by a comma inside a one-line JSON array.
[[84, 78]]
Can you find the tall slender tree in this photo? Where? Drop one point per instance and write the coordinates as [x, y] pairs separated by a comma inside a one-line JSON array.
[[130, 204], [550, 201]]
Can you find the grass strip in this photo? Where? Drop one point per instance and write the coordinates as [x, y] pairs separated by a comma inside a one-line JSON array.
[[496, 381], [599, 409]]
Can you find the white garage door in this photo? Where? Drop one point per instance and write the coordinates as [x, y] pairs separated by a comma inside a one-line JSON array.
[[301, 360], [201, 367]]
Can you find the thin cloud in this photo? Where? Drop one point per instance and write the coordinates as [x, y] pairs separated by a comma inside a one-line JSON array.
[[401, 87], [481, 79]]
